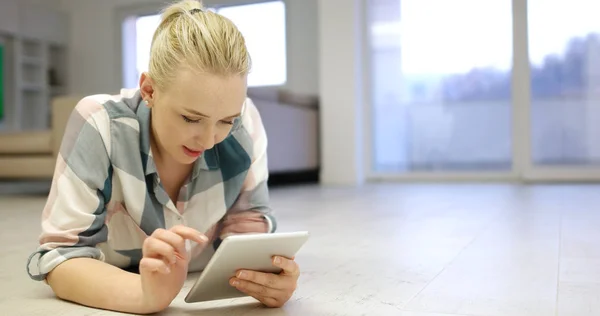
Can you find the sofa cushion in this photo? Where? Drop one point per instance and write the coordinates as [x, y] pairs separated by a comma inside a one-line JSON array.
[[26, 143], [27, 167], [61, 111]]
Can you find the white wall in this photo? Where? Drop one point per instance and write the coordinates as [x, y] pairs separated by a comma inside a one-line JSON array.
[[341, 85], [23, 17], [49, 4]]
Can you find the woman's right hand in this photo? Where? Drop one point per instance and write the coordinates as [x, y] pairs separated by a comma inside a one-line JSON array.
[[164, 266]]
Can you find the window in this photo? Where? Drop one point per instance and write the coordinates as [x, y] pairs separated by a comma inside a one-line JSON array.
[[440, 85], [263, 27], [565, 82], [144, 30], [441, 79]]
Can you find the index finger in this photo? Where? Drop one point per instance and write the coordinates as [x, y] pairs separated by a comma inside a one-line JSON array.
[[189, 233]]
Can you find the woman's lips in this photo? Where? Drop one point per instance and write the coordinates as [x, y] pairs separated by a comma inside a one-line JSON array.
[[192, 152]]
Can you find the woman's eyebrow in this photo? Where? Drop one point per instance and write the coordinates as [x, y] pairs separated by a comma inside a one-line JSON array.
[[206, 116]]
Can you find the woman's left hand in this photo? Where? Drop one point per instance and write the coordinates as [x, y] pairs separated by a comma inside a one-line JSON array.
[[273, 290]]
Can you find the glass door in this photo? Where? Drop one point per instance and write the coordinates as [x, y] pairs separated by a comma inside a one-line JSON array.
[[440, 88], [564, 107]]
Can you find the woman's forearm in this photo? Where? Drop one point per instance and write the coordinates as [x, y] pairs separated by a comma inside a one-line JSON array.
[[94, 283]]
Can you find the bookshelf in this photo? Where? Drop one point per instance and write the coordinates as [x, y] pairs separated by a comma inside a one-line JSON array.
[[34, 44]]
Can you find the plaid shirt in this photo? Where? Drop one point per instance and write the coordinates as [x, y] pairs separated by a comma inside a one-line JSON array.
[[106, 196]]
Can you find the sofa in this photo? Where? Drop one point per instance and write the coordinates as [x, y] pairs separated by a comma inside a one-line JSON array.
[[32, 154]]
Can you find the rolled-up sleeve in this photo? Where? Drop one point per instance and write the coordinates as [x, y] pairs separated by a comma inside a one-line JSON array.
[[73, 218], [254, 195]]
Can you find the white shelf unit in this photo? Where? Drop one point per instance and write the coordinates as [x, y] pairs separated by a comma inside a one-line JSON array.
[[35, 64]]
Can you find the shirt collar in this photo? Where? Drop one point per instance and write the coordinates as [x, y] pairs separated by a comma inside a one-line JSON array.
[[208, 161]]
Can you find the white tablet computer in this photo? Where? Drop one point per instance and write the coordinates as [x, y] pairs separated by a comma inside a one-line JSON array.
[[246, 251]]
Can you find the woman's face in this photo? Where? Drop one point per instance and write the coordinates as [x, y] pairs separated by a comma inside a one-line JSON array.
[[193, 113]]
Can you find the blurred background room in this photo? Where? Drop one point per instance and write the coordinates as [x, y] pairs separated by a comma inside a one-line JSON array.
[[444, 154]]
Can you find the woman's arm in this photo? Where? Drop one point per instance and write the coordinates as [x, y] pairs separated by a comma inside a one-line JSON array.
[[73, 220], [97, 284]]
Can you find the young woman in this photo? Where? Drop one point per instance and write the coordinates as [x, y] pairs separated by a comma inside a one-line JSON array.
[[155, 177]]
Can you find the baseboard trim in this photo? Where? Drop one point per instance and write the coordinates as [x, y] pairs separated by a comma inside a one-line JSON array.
[[283, 178]]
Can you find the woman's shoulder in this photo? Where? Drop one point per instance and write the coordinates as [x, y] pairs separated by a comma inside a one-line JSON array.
[[125, 103], [98, 117]]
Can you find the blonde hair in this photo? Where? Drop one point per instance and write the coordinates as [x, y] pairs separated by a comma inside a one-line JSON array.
[[190, 36]]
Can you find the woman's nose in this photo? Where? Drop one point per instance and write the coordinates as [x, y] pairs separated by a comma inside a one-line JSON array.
[[206, 138]]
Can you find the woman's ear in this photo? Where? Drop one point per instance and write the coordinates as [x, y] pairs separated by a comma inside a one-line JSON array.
[[147, 89]]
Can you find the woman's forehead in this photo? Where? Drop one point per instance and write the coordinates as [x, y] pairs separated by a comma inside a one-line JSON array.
[[206, 92]]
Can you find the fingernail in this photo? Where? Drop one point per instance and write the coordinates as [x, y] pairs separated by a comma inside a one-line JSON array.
[[168, 270], [204, 238], [241, 275], [235, 283], [174, 260], [277, 260]]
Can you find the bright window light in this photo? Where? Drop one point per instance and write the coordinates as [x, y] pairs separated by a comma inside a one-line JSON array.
[[263, 27], [261, 24]]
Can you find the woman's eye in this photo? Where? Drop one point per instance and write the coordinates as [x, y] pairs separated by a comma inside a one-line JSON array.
[[228, 122], [187, 119]]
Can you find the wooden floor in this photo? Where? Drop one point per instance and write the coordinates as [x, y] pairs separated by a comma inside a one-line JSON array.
[[408, 250]]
